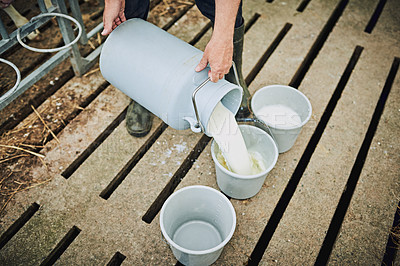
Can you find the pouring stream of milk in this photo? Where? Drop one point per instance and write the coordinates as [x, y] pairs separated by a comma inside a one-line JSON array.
[[225, 131]]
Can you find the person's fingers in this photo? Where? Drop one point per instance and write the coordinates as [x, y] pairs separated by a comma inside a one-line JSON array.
[[111, 15], [203, 63], [107, 28], [108, 24], [108, 21], [214, 77], [122, 16], [122, 12], [106, 31], [222, 68]]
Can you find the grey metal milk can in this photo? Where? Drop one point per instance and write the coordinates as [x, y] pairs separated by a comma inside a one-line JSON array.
[[156, 69]]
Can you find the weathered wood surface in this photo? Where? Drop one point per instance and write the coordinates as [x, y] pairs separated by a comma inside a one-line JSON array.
[[115, 224]]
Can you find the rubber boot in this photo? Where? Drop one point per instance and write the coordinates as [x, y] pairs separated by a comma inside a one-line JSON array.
[[138, 120], [238, 36]]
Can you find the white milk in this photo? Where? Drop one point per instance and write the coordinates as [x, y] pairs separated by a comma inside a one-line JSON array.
[[279, 116], [225, 131], [257, 162]]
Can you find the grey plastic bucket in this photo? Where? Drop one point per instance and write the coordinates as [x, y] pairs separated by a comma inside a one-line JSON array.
[[285, 137], [197, 222], [240, 186]]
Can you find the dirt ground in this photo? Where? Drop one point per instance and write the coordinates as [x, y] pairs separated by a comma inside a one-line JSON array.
[[21, 145]]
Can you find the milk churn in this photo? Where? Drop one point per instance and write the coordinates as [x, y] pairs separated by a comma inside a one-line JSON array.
[[156, 69]]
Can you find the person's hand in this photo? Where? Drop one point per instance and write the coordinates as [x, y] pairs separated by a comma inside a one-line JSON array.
[[5, 3], [218, 54], [113, 15]]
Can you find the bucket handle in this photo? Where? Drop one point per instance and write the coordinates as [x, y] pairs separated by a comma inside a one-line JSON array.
[[199, 124], [163, 239]]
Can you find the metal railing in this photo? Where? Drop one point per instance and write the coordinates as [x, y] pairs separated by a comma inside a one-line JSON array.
[[79, 63]]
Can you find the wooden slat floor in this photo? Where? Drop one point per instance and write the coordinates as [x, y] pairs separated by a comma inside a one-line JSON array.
[[331, 199]]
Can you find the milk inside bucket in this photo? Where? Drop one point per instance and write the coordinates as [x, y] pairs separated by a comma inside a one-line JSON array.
[[257, 140], [156, 69]]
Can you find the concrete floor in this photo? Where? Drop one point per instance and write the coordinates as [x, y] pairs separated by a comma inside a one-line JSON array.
[[106, 226]]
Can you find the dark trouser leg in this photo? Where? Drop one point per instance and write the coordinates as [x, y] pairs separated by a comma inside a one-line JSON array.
[[238, 39], [207, 8], [138, 119], [137, 9]]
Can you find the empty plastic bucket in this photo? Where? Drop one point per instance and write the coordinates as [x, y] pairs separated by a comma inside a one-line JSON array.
[[285, 134], [241, 186], [197, 222]]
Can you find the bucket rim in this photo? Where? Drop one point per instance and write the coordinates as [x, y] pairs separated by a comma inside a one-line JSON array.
[[247, 177], [259, 91], [198, 252]]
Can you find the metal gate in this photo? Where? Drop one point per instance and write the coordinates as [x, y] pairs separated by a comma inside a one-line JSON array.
[[79, 63]]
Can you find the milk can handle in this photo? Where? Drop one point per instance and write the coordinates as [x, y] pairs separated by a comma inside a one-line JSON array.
[[199, 124]]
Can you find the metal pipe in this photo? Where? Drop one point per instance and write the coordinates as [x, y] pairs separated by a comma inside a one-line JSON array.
[[76, 12], [3, 31]]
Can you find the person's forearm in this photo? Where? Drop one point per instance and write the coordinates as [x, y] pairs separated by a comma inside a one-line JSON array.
[[225, 17], [219, 50]]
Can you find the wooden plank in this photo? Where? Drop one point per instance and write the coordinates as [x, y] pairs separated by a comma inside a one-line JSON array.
[[370, 214], [272, 18], [388, 28], [329, 75], [286, 59], [115, 224], [139, 189], [320, 188], [192, 22], [119, 220], [366, 227], [62, 105], [318, 193], [68, 98], [252, 214], [73, 140]]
